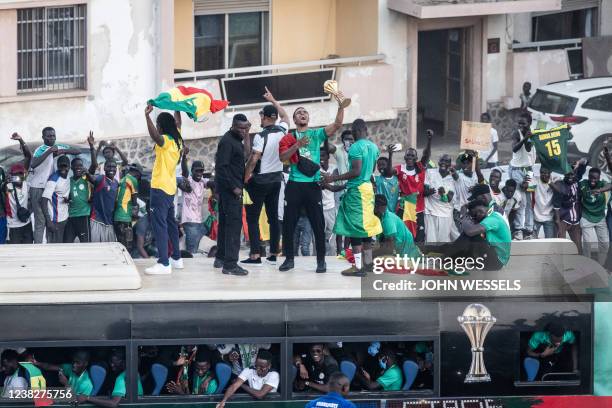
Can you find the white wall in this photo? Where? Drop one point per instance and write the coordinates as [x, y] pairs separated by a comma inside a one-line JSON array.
[[122, 75], [393, 42]]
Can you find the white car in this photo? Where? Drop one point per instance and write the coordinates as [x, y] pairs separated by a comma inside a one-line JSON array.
[[586, 105]]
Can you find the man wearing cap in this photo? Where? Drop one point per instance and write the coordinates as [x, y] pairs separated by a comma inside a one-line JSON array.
[[263, 177], [17, 195], [126, 208], [304, 191], [194, 186]]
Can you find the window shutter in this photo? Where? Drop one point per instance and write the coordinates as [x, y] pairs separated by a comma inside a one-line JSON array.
[[203, 7]]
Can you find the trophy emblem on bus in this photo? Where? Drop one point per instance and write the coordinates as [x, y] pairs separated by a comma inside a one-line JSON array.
[[476, 321], [330, 87]]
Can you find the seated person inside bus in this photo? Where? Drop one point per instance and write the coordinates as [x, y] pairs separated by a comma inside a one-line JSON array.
[[203, 380], [118, 368], [315, 369], [556, 349], [391, 378], [423, 356], [14, 375], [73, 375], [260, 380]]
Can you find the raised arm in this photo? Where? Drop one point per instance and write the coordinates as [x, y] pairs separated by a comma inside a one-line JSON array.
[[185, 163], [517, 142], [477, 169], [124, 160], [92, 151], [286, 155], [178, 120], [282, 113], [389, 169], [332, 128], [153, 133], [427, 152], [36, 161], [27, 154]]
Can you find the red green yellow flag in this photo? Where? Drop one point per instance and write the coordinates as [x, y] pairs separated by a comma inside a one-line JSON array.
[[195, 102], [409, 216]]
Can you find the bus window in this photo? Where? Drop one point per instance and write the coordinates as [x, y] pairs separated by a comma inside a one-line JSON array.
[[370, 366], [550, 354], [210, 369], [89, 372]]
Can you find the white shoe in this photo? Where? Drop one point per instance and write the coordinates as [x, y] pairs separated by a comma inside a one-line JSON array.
[[177, 263], [158, 269]]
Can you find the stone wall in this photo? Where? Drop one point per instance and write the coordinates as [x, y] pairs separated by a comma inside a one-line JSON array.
[[140, 149], [504, 121]]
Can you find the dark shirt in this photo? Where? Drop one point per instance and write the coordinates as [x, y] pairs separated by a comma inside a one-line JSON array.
[[229, 162], [104, 197], [320, 374], [567, 201]]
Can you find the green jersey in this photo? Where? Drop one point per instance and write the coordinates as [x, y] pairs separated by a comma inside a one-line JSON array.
[[312, 151], [80, 193], [127, 187], [120, 389], [542, 338], [389, 187], [391, 379], [367, 152], [498, 235], [80, 384], [551, 148], [593, 205], [197, 385], [394, 227]]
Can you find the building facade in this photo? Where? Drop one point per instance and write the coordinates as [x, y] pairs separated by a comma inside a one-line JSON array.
[[81, 65]]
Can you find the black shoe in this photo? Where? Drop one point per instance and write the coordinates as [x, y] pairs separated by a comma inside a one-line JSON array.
[[238, 270], [321, 267], [287, 265], [353, 271], [218, 263], [368, 268], [251, 261], [271, 259]]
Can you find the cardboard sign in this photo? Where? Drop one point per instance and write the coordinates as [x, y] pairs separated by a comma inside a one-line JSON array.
[[475, 136]]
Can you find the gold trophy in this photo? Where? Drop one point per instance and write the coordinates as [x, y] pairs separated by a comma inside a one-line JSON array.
[[476, 321], [330, 87]]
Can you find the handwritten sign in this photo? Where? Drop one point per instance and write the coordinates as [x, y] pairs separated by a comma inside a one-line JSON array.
[[475, 136]]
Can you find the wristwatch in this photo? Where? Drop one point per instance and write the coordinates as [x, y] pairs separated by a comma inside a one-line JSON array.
[[307, 383]]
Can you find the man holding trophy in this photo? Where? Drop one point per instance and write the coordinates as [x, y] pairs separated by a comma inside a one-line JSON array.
[[303, 190]]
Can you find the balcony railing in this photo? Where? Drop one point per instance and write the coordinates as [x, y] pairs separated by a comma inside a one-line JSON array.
[[547, 45], [232, 72]]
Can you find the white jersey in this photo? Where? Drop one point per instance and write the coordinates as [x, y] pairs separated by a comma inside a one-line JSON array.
[[433, 203], [523, 158], [463, 184], [256, 382], [543, 207]]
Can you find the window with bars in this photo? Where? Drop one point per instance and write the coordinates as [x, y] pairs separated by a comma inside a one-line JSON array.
[[51, 49]]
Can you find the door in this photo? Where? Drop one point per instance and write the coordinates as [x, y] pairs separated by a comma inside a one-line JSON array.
[[455, 63]]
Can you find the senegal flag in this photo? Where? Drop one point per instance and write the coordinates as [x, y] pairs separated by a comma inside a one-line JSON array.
[[409, 215], [195, 102]]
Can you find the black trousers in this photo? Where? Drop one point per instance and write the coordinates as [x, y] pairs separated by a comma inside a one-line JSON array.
[[21, 235], [308, 196], [473, 247], [230, 224], [77, 227], [261, 194]]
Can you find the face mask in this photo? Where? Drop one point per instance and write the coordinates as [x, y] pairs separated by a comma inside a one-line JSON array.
[[382, 364], [16, 179], [373, 349]]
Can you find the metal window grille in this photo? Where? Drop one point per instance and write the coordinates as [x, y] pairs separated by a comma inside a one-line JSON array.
[[51, 49]]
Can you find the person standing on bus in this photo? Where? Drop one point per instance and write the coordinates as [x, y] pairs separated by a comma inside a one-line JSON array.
[[355, 218], [260, 381], [55, 198], [169, 145], [339, 387]]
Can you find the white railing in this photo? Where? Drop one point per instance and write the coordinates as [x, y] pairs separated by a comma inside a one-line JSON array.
[[193, 76], [538, 45]]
